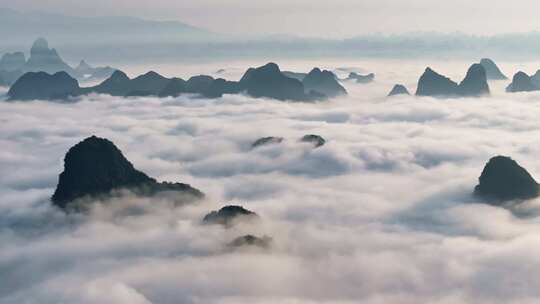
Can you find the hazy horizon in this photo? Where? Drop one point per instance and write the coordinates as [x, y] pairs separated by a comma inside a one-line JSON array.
[[336, 19]]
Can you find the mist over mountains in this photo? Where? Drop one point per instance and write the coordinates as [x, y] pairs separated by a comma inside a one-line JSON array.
[[127, 39]]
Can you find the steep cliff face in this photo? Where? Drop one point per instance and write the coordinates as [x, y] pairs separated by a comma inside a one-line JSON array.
[[433, 84], [492, 70], [475, 82]]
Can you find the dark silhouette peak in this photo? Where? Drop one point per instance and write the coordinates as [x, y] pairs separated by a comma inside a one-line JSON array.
[[503, 179], [119, 75], [151, 74], [316, 140], [266, 141], [198, 84], [323, 83], [399, 89], [475, 82], [95, 166], [492, 70], [432, 83], [228, 215], [268, 81], [521, 82], [41, 85], [270, 68], [205, 78]]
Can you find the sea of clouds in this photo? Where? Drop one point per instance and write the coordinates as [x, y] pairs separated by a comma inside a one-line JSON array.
[[383, 213]]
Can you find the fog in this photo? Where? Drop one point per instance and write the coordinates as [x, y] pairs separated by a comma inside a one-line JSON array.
[[383, 213], [318, 18]]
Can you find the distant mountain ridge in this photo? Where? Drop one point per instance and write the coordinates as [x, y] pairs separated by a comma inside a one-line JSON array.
[[141, 40], [45, 59], [266, 81], [59, 27]]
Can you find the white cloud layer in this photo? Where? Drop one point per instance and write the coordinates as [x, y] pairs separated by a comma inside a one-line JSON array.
[[382, 213]]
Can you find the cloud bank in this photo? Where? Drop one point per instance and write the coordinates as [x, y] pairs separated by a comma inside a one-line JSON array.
[[382, 213]]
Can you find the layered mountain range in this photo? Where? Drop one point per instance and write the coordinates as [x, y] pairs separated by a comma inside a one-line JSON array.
[[45, 59], [262, 82]]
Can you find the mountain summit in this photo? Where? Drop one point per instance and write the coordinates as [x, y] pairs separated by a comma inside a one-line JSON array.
[[95, 167]]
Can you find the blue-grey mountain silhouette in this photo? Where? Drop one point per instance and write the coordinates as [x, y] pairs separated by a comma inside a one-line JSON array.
[[323, 82], [475, 82], [268, 81], [174, 88], [492, 70], [521, 82], [119, 84], [41, 85], [433, 84], [220, 86], [148, 84], [399, 89], [12, 61], [228, 215], [88, 72], [535, 79], [95, 167], [198, 84], [361, 78], [42, 58], [314, 139], [503, 179]]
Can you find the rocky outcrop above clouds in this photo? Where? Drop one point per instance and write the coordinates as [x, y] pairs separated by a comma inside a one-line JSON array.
[[40, 85], [503, 179], [521, 82], [475, 82], [436, 85], [316, 140], [228, 215], [492, 70], [323, 82], [399, 89], [95, 167]]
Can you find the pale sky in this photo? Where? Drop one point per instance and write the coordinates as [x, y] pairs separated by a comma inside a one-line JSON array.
[[327, 18]]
